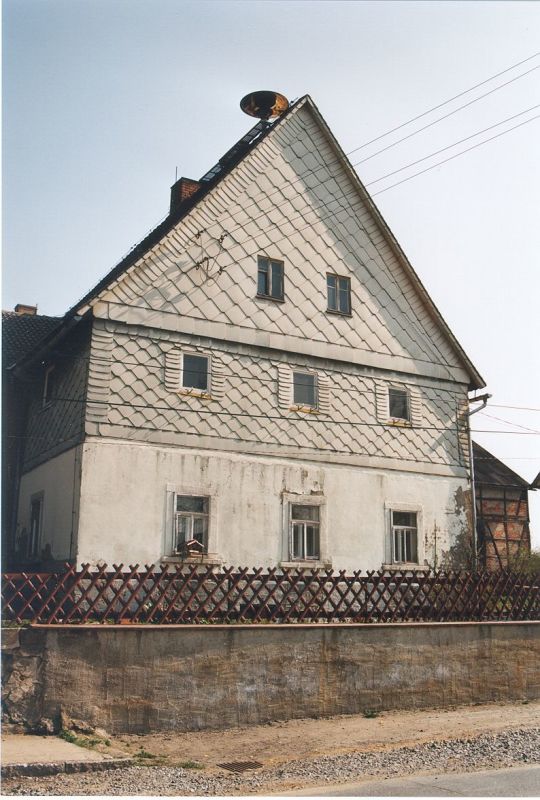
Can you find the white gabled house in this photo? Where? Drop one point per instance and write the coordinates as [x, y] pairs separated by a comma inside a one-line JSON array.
[[264, 377]]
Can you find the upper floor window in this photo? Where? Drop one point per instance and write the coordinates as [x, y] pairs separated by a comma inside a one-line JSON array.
[[404, 537], [305, 389], [398, 404], [195, 372], [270, 278], [338, 294], [304, 541], [49, 386]]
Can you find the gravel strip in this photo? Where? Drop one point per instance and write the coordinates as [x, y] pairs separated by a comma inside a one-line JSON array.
[[486, 751]]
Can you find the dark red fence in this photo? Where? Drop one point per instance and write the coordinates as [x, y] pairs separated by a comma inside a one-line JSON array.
[[200, 594]]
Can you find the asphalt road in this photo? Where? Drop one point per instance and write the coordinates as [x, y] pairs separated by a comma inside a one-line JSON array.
[[514, 782]]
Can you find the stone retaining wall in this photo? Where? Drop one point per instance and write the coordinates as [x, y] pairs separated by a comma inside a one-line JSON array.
[[134, 679]]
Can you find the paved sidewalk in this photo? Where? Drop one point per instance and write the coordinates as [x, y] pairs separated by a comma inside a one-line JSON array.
[[46, 755]]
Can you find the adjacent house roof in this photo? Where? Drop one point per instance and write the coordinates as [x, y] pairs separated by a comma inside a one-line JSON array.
[[489, 470], [21, 333], [226, 165]]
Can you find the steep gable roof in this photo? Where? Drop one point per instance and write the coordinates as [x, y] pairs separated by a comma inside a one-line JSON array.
[[426, 333], [489, 470], [22, 333]]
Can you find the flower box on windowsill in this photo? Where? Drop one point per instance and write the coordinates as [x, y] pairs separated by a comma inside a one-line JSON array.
[[205, 560]]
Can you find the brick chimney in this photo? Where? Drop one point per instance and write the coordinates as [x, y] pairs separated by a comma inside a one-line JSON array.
[[21, 309], [182, 190]]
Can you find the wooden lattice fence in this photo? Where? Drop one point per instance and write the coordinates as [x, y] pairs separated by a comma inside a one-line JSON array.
[[201, 594]]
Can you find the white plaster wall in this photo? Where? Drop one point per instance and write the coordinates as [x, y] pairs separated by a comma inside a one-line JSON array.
[[127, 490], [58, 480]]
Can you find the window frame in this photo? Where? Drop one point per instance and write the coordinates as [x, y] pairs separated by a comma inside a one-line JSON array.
[[193, 390], [337, 291], [33, 548], [298, 406], [304, 523], [276, 298], [392, 508], [391, 417], [47, 397], [191, 516], [288, 499]]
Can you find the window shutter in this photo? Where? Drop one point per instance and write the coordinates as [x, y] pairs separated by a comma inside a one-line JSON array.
[[323, 387], [416, 405], [172, 370], [381, 401], [284, 387], [217, 378]]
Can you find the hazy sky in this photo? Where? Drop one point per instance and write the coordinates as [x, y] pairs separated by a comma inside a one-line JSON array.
[[104, 99]]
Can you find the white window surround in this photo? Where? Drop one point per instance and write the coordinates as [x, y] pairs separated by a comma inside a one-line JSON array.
[[174, 374], [168, 536], [286, 390], [193, 390], [382, 402], [288, 499], [412, 508]]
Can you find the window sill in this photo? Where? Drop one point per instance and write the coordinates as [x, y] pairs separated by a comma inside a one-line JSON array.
[[400, 423], [209, 560], [338, 313], [315, 564], [202, 395], [269, 297], [305, 409], [406, 567]]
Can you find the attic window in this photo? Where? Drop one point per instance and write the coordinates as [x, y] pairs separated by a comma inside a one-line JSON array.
[[338, 291], [305, 389], [49, 386], [270, 278], [195, 372], [398, 404]]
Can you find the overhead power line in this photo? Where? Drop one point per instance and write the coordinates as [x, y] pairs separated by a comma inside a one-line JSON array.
[[451, 158], [302, 417], [445, 116], [444, 103], [454, 144]]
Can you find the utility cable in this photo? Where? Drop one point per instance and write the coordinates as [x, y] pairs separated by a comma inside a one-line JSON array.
[[440, 105], [454, 144], [456, 155]]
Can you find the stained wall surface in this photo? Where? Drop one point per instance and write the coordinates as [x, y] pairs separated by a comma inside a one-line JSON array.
[[131, 521], [135, 679]]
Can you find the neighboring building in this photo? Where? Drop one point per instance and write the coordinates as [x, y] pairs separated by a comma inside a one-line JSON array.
[[22, 330], [263, 378], [502, 511]]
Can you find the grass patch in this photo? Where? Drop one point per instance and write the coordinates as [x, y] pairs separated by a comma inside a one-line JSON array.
[[82, 741], [370, 713], [190, 765]]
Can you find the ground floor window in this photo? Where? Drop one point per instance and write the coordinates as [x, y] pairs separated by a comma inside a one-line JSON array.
[[191, 524], [36, 522], [304, 532], [404, 537]]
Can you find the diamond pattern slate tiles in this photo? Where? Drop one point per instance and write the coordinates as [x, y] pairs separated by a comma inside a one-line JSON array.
[[249, 206], [249, 411]]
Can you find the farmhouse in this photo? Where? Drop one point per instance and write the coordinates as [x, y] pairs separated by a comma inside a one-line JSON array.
[[263, 380]]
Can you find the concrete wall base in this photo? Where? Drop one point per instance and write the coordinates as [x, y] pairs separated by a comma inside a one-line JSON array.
[[136, 678]]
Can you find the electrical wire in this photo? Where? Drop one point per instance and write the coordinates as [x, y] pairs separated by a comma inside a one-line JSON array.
[[508, 422], [306, 417], [450, 158], [440, 105], [454, 144], [445, 116]]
